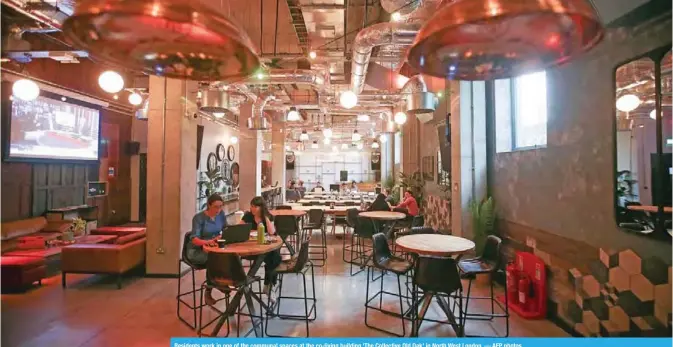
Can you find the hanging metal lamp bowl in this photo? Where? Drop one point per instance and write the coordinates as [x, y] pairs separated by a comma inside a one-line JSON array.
[[493, 39], [179, 38]]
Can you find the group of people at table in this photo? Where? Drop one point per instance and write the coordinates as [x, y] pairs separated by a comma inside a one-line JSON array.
[[208, 224]]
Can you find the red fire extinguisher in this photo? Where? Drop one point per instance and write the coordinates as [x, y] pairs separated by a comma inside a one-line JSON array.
[[524, 290], [512, 282]]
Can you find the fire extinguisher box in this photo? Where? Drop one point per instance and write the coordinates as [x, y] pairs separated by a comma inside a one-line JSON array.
[[527, 296]]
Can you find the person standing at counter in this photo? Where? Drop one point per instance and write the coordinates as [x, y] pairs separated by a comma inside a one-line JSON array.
[[206, 228]]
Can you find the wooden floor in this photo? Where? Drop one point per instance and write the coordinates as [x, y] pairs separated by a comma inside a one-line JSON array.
[[92, 312]]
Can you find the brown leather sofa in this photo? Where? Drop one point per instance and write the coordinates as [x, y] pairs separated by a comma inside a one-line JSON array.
[[38, 226], [124, 253]]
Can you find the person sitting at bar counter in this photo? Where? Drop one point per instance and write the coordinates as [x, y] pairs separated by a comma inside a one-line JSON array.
[[408, 205], [259, 213], [206, 228]]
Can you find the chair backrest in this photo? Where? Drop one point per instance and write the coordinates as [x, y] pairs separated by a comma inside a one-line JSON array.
[[285, 225], [302, 256], [185, 243], [364, 227], [316, 215], [422, 230], [380, 248], [225, 266], [418, 221], [439, 275], [491, 251], [352, 217], [283, 207]]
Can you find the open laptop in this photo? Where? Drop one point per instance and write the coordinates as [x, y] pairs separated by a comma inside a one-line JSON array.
[[236, 233]]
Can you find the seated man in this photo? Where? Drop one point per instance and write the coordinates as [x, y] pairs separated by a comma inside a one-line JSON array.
[[409, 206], [318, 187]]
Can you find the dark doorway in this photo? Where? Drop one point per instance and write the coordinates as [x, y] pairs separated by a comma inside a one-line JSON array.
[[142, 187]]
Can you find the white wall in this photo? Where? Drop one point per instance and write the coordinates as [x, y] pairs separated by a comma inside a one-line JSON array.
[[319, 165]]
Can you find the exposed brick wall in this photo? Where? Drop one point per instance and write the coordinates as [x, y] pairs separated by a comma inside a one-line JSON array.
[[438, 213]]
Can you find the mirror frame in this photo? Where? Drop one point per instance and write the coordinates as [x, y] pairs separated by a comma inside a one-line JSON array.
[[656, 55]]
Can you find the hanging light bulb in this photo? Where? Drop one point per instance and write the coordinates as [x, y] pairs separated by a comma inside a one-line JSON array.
[[356, 136], [628, 103], [383, 138], [293, 115], [312, 54], [303, 136], [348, 99], [111, 81], [136, 99], [400, 118], [375, 145], [363, 118], [396, 16], [326, 141], [653, 114], [314, 145], [327, 132], [25, 90], [233, 140]]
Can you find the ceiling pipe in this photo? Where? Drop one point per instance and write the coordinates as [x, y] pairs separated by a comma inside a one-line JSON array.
[[403, 7], [418, 99], [377, 35], [289, 76], [257, 121], [18, 6]]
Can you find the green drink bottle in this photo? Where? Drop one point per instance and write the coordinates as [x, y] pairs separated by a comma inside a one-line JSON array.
[[260, 234]]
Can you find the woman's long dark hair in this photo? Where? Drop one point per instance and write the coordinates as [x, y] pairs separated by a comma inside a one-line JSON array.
[[258, 201]]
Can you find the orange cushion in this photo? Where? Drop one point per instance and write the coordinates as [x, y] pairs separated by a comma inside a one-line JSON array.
[[118, 230], [22, 227], [131, 237], [23, 262]]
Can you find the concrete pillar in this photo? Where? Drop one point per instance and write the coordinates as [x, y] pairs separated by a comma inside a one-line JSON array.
[[250, 153], [387, 157], [278, 156], [171, 183], [138, 134]]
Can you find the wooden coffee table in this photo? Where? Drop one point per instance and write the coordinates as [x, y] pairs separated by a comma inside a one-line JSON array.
[[56, 250]]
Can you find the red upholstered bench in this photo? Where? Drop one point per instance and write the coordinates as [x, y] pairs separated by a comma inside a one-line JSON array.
[[119, 231], [20, 272]]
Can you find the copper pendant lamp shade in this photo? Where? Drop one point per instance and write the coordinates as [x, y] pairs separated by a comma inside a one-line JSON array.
[[492, 39], [178, 38]]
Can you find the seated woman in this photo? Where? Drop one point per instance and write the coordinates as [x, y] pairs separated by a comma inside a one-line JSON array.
[[259, 213], [206, 228], [408, 205], [379, 204], [353, 187]]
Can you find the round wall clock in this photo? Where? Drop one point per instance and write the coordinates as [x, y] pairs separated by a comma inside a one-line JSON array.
[[290, 158], [376, 157], [221, 152], [235, 175], [211, 163], [231, 153]]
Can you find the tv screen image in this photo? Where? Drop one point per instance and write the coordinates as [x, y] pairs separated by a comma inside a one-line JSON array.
[[47, 128]]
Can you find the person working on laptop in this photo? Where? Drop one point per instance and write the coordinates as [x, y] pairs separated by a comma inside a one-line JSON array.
[[259, 213], [206, 228]]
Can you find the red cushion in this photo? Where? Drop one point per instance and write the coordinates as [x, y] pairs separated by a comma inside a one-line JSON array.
[[118, 230], [22, 262]]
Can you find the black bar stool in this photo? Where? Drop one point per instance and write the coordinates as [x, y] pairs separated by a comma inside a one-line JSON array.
[[487, 263], [386, 262], [298, 265], [351, 219], [286, 228], [316, 221]]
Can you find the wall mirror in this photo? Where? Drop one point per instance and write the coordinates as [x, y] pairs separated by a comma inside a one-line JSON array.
[[643, 143]]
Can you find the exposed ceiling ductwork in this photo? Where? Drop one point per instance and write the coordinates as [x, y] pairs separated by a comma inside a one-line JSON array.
[[419, 101], [403, 7], [374, 36]]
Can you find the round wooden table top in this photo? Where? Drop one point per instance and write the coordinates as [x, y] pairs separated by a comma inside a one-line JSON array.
[[434, 244], [247, 248], [646, 208], [294, 213], [383, 215]]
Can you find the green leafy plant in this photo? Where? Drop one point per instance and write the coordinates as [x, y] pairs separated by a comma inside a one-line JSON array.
[[78, 226], [211, 183], [483, 221], [625, 184]]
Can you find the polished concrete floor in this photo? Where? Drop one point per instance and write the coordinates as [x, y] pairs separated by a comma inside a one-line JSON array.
[[92, 312]]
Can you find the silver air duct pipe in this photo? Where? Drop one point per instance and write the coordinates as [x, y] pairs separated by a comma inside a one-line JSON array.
[[418, 99], [213, 101], [403, 7], [257, 121], [288, 76], [377, 35]]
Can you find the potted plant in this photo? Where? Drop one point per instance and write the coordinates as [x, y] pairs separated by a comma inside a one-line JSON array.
[[483, 222], [210, 183]]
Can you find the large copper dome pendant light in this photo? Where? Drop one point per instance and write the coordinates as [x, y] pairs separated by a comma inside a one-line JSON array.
[[178, 38], [493, 39]]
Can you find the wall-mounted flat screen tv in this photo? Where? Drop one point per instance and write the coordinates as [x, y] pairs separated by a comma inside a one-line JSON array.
[[53, 127]]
